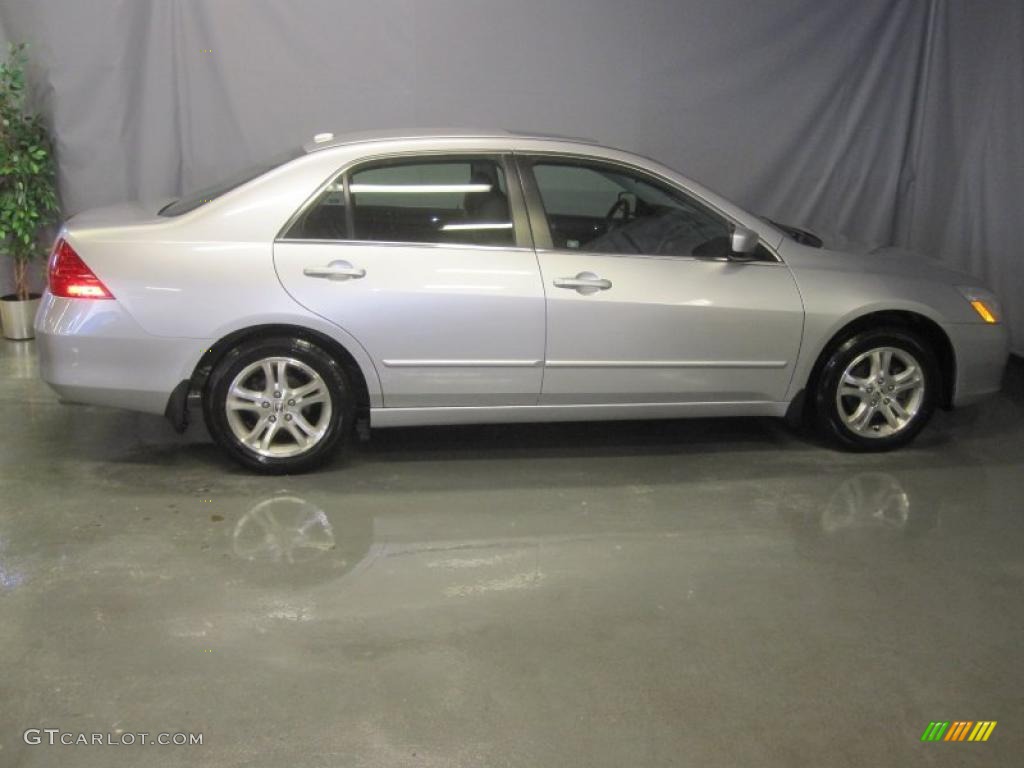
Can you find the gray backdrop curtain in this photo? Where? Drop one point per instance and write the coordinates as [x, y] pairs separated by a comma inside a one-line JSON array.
[[887, 121]]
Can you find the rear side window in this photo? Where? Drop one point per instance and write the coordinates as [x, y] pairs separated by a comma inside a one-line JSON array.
[[434, 201], [193, 200], [326, 218]]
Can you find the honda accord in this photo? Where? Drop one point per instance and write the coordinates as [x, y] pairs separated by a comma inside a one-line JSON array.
[[454, 277]]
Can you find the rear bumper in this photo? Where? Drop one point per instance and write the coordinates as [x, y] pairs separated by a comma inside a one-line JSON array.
[[94, 352], [981, 354]]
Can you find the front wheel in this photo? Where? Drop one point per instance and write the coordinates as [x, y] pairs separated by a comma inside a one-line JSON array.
[[278, 405], [878, 390]]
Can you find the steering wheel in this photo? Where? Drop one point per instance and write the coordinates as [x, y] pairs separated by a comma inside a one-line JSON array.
[[622, 204]]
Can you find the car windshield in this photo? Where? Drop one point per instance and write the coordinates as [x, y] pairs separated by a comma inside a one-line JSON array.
[[200, 197]]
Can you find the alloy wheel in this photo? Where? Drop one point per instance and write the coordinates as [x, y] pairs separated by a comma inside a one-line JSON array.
[[278, 407], [880, 392]]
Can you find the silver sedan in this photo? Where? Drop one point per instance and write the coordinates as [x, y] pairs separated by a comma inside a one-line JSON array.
[[466, 277]]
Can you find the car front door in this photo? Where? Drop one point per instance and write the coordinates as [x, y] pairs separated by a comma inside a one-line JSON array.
[[644, 303], [426, 260]]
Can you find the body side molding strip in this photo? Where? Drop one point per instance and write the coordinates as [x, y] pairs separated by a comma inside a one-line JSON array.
[[461, 363], [585, 363], [667, 363]]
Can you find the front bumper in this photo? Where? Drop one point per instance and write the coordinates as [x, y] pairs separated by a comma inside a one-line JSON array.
[[94, 352], [981, 353]]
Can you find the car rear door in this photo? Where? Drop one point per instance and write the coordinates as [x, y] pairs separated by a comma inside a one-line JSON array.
[[644, 304], [427, 261]]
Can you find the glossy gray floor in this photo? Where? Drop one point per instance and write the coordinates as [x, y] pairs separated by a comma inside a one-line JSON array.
[[713, 593]]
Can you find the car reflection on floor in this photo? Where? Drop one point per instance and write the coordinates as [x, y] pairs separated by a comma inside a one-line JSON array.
[[283, 529], [288, 536], [872, 499]]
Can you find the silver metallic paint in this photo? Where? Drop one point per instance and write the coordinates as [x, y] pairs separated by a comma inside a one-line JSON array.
[[455, 334], [410, 417], [682, 312], [432, 304], [666, 364]]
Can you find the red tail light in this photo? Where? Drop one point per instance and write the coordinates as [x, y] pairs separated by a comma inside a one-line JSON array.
[[71, 278]]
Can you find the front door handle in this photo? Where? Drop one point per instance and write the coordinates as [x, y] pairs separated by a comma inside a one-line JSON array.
[[336, 270], [585, 282]]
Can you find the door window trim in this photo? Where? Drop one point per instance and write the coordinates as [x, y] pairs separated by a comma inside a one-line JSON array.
[[538, 219], [503, 158]]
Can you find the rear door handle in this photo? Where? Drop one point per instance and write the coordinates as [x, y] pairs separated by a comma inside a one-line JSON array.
[[336, 270], [585, 282]]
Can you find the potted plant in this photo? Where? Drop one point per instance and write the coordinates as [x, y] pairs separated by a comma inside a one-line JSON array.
[[28, 193]]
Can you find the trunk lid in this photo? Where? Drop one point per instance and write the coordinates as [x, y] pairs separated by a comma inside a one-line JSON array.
[[120, 215]]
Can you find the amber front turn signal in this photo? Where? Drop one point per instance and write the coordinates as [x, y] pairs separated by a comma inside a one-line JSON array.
[[986, 314]]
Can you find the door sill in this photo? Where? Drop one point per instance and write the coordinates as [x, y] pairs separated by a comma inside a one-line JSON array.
[[511, 414]]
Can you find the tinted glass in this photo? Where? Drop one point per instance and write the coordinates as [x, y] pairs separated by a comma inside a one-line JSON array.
[[432, 201], [325, 219], [605, 209], [193, 200]]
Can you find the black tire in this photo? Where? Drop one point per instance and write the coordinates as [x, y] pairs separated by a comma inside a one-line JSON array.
[[830, 421], [336, 424]]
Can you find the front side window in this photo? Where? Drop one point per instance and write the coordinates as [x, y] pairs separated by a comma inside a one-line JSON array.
[[591, 206], [422, 200]]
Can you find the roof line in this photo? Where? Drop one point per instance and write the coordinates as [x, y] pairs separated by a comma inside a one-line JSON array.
[[329, 140]]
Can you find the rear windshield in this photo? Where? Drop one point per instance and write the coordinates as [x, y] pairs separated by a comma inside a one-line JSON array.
[[193, 200]]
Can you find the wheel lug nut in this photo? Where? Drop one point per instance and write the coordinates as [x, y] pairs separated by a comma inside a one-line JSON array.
[[277, 394], [891, 387], [291, 402], [287, 417], [272, 419], [266, 404], [885, 400]]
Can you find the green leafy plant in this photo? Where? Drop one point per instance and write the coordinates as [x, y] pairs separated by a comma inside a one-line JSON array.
[[28, 191]]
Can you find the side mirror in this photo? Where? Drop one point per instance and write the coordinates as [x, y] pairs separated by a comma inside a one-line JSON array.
[[744, 242]]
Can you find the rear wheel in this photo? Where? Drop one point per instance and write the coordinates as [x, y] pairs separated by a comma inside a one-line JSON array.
[[878, 390], [278, 405]]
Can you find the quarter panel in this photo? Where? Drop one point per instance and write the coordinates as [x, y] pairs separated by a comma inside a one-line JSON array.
[[187, 288], [95, 352]]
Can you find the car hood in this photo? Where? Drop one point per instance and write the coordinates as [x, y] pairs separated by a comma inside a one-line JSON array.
[[895, 260], [886, 260]]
